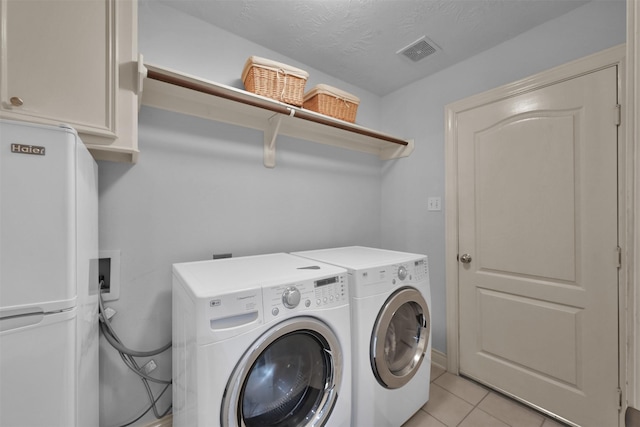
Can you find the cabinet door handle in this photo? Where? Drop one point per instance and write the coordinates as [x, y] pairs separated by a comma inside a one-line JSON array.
[[16, 101]]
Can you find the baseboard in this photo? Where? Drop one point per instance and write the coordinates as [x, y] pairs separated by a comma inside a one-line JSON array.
[[162, 422], [439, 358]]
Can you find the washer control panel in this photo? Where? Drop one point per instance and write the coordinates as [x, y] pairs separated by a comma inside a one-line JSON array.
[[330, 290], [411, 271], [325, 292], [421, 269]]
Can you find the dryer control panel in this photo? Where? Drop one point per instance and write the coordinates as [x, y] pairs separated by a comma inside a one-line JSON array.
[[325, 292]]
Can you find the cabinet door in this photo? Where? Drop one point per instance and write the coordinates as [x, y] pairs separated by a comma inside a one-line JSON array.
[[56, 63], [73, 62]]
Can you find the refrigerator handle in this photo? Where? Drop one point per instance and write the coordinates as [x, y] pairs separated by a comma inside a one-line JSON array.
[[33, 319]]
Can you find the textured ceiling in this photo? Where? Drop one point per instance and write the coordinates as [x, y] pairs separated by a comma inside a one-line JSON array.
[[357, 40]]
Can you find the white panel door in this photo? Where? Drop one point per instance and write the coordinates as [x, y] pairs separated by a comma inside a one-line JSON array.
[[538, 277]]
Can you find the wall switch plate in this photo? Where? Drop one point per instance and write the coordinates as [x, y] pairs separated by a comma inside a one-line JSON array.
[[109, 271], [434, 204]]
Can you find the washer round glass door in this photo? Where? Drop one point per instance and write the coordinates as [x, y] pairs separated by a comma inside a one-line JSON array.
[[400, 338], [288, 378]]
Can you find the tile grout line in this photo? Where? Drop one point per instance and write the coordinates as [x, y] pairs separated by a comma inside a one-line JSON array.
[[479, 409], [431, 382], [455, 395], [510, 399], [489, 392], [474, 406]]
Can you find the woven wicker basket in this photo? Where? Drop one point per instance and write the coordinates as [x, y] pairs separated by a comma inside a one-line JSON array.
[[274, 80], [333, 102]]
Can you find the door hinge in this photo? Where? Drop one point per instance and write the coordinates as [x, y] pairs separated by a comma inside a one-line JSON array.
[[618, 115], [619, 399], [618, 257]]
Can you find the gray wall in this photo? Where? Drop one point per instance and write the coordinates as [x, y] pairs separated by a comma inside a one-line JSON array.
[[200, 187], [418, 110]]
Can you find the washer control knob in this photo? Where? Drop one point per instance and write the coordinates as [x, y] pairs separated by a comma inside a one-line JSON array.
[[402, 272], [291, 297]]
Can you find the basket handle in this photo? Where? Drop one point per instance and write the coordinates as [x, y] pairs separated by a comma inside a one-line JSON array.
[[284, 84]]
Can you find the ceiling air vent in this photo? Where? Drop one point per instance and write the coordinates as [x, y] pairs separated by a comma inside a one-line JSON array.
[[419, 49]]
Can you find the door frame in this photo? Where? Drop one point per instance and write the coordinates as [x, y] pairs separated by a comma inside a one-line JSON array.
[[633, 199], [614, 56]]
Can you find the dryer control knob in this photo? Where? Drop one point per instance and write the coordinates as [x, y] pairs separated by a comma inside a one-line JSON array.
[[291, 297], [402, 272]]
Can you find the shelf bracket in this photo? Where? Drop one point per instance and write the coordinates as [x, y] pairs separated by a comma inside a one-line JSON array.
[[270, 136], [398, 151], [141, 75]]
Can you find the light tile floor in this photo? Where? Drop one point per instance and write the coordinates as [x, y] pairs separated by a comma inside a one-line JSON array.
[[457, 402]]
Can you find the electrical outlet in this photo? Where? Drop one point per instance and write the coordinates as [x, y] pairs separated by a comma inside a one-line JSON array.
[[109, 272]]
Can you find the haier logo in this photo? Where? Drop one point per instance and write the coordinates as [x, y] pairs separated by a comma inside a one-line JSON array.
[[27, 149]]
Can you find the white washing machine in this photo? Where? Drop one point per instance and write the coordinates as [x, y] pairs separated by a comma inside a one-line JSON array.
[[261, 341], [391, 329]]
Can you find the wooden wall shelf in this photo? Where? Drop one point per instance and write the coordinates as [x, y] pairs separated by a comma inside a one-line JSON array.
[[174, 91]]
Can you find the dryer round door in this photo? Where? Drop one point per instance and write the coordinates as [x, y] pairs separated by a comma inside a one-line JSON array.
[[400, 338], [289, 377]]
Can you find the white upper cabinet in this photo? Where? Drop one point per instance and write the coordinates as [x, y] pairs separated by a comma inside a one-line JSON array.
[[73, 62]]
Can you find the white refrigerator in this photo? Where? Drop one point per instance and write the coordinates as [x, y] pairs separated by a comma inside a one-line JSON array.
[[48, 278]]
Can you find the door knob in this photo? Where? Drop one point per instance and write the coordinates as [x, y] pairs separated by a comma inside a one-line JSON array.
[[465, 259]]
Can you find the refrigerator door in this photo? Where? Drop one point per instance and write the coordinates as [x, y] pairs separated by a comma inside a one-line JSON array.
[[37, 217], [38, 376]]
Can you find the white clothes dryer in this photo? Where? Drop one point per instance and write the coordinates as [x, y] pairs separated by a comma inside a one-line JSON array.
[[261, 341], [391, 328]]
